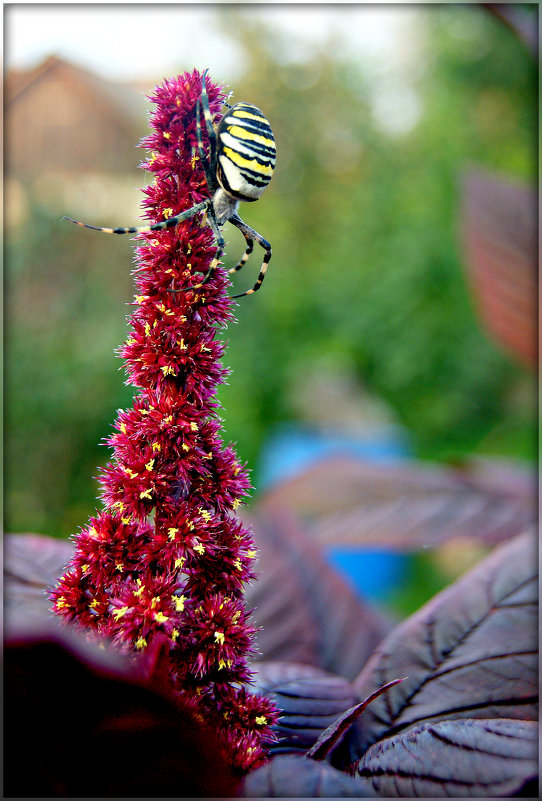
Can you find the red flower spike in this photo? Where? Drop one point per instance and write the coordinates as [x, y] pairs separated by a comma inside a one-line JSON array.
[[162, 569]]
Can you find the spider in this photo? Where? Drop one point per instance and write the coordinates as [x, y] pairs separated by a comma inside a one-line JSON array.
[[241, 161]]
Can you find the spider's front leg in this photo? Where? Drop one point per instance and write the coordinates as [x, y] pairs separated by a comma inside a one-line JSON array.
[[251, 236], [209, 165], [220, 244]]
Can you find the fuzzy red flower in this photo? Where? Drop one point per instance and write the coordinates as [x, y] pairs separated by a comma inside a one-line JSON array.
[[166, 561]]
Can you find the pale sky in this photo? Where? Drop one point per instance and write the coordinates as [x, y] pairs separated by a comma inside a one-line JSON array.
[[148, 42], [139, 40]]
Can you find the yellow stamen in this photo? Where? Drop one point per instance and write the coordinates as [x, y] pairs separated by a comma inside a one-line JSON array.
[[118, 613]]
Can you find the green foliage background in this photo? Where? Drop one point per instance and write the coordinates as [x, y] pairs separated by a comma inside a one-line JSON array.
[[367, 271]]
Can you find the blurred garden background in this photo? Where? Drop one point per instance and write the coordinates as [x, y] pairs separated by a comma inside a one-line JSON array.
[[368, 320]]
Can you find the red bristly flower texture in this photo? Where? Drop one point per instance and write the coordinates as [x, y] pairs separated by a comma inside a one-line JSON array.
[[166, 561]]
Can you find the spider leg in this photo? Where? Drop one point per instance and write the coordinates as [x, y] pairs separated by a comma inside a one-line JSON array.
[[211, 132], [209, 175], [250, 234], [246, 254], [145, 229], [211, 219]]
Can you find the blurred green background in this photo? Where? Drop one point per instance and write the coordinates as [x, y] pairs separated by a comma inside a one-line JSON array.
[[367, 270]]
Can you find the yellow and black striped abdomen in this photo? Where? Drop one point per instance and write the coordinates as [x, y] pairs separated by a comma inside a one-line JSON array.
[[246, 152]]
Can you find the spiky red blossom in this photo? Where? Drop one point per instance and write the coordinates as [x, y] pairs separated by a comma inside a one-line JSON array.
[[166, 560]]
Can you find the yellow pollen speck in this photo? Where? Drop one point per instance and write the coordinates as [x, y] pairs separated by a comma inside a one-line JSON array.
[[141, 643], [252, 554], [167, 369], [199, 548], [138, 592], [167, 135], [118, 613], [238, 564], [174, 634], [193, 160], [153, 157], [146, 494], [130, 341], [139, 299], [171, 532], [185, 447], [156, 446], [130, 472], [236, 504], [147, 329], [84, 568], [208, 455], [179, 562], [122, 428], [179, 600], [235, 618], [168, 213], [182, 345], [205, 514], [126, 520], [119, 566], [149, 465], [194, 426], [92, 532], [155, 601], [94, 603], [261, 720], [219, 637], [160, 617], [61, 603]]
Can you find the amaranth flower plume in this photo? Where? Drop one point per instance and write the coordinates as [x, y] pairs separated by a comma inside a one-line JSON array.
[[166, 559]]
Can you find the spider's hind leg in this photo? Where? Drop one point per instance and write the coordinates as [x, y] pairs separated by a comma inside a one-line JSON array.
[[251, 236], [246, 254]]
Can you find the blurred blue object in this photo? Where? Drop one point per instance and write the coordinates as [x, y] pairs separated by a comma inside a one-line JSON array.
[[292, 448]]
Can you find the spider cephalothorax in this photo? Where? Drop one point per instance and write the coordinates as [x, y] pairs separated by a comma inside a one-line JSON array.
[[240, 164]]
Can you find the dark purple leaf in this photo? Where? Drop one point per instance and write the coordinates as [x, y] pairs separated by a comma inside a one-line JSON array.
[[306, 611], [35, 558], [521, 21], [310, 699], [471, 652], [407, 505], [330, 737], [32, 562], [499, 231], [80, 722], [457, 758], [293, 776]]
